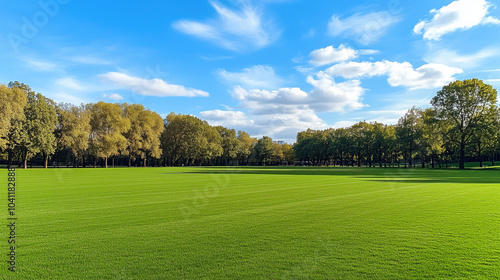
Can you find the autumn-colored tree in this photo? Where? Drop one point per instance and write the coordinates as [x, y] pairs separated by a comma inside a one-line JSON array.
[[108, 125], [74, 129], [143, 137], [12, 102]]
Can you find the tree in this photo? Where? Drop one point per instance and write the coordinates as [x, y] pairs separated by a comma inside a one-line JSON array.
[[484, 138], [264, 149], [288, 153], [189, 139], [380, 142], [245, 147], [47, 121], [108, 125], [35, 133], [143, 137], [432, 136], [12, 102], [408, 133], [74, 129], [463, 105], [230, 144], [277, 153]]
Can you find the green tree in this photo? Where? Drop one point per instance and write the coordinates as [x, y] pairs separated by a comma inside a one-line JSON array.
[[230, 144], [463, 105], [245, 147], [35, 133], [408, 133], [264, 149], [432, 136]]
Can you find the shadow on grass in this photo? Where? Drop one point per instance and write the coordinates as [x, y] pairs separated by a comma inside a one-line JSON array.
[[399, 175]]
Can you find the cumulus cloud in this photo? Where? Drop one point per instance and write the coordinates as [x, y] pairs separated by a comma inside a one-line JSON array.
[[152, 87], [258, 76], [364, 28], [331, 55], [458, 15], [432, 75], [226, 118], [236, 29], [326, 96], [281, 113], [279, 126]]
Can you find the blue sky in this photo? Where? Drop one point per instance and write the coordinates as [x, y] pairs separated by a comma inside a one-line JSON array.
[[269, 67]]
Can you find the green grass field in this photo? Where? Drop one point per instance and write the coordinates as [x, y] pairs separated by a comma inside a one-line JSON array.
[[255, 223]]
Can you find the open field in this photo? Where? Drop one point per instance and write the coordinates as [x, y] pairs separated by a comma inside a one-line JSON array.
[[255, 223]]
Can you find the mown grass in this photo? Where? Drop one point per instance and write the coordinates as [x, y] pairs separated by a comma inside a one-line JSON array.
[[256, 223]]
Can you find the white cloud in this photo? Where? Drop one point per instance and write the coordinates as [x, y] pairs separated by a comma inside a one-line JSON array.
[[326, 96], [70, 83], [89, 59], [331, 55], [365, 28], [458, 15], [226, 118], [432, 75], [258, 76], [67, 98], [283, 112], [40, 65], [114, 96], [234, 29], [344, 124], [452, 58], [279, 126], [152, 87]]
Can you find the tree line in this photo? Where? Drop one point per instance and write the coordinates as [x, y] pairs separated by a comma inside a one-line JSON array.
[[33, 127], [463, 122]]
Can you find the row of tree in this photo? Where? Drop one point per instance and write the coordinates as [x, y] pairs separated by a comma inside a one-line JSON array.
[[33, 126], [463, 121]]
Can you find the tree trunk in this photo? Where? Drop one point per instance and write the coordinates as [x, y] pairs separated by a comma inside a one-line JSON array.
[[462, 153], [144, 162], [106, 162], [9, 163], [479, 154], [26, 161], [46, 160]]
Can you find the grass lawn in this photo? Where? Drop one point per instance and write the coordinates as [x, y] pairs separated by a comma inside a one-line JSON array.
[[255, 223]]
